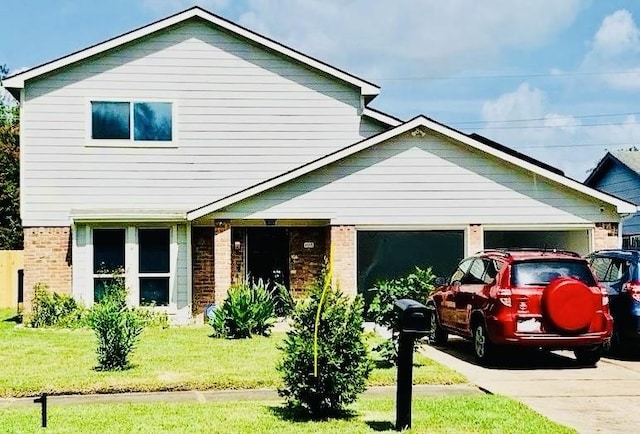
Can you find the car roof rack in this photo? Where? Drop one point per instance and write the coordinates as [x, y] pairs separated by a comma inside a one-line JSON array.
[[507, 251]]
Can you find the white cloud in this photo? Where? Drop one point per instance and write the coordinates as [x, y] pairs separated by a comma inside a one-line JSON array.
[[616, 48], [562, 140], [376, 37], [523, 103]]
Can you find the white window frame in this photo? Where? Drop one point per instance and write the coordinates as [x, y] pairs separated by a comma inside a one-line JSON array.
[[131, 257], [130, 142]]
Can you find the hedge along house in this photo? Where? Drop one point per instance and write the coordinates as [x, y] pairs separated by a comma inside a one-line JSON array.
[[192, 153]]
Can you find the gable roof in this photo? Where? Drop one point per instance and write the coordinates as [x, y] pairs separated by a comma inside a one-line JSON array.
[[627, 158], [415, 126], [16, 82]]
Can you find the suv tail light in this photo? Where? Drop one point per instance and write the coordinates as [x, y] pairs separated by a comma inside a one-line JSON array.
[[504, 295], [633, 288]]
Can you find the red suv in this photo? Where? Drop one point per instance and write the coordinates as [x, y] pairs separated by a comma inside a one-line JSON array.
[[545, 299]]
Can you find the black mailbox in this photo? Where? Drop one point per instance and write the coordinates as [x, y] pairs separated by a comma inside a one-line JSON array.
[[412, 317]]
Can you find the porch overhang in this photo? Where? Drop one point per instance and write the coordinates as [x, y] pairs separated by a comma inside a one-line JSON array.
[[126, 215]]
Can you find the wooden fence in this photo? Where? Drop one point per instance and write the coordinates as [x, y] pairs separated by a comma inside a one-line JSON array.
[[11, 263]]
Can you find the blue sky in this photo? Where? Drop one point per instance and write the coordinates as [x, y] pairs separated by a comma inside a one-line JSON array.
[[557, 80]]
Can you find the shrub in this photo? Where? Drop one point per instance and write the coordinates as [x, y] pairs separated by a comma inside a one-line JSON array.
[[151, 318], [417, 286], [116, 326], [343, 364], [249, 309], [283, 301], [54, 310]]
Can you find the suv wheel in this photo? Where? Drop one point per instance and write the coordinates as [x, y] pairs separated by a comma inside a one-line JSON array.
[[437, 335], [483, 349], [588, 356]]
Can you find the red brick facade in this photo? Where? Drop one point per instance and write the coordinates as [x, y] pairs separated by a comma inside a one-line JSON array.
[[222, 259], [343, 251], [47, 260], [202, 265], [307, 257], [238, 248], [605, 236]]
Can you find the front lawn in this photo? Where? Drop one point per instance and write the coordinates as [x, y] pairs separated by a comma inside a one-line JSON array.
[[62, 361], [470, 414]]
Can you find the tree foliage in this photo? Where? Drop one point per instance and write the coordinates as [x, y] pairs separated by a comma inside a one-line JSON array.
[[10, 227]]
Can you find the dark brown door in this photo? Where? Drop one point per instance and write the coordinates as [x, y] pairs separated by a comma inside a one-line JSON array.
[[268, 254]]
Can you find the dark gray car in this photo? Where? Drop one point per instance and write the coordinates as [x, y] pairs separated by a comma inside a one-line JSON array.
[[619, 271]]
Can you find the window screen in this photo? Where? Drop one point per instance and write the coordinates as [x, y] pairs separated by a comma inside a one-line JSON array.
[[108, 251]]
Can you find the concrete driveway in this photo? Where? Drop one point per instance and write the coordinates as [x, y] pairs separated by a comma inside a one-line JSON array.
[[604, 399]]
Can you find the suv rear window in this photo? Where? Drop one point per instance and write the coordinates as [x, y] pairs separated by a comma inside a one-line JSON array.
[[543, 272]]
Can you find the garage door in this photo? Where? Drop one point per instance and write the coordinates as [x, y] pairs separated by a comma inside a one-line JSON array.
[[390, 254], [576, 241]]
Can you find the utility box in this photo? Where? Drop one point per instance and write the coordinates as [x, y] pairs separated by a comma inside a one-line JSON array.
[[412, 317]]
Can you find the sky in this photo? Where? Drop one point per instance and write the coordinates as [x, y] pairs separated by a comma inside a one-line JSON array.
[[556, 80]]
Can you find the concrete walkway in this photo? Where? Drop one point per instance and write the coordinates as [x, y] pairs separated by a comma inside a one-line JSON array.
[[226, 395], [603, 399]]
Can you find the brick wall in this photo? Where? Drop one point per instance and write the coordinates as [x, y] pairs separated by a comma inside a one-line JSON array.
[[306, 263], [476, 239], [222, 259], [238, 248], [605, 236], [47, 259], [343, 249], [202, 265]]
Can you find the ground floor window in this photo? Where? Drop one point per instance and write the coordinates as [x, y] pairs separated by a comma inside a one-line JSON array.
[[146, 266], [391, 254], [108, 259], [153, 266]]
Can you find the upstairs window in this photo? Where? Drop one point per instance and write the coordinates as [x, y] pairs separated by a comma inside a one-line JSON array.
[[139, 121]]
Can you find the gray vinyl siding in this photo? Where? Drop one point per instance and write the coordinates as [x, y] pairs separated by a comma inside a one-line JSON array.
[[242, 114], [424, 181], [625, 184], [182, 300], [621, 182]]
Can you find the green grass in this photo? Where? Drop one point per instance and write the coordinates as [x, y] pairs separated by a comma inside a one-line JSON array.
[[62, 361], [477, 414]]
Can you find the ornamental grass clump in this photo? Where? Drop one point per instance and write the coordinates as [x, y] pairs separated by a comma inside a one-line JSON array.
[[323, 375], [116, 326], [248, 310]]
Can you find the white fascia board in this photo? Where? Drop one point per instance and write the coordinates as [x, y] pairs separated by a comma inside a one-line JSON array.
[[622, 207], [17, 81], [381, 117], [126, 215]]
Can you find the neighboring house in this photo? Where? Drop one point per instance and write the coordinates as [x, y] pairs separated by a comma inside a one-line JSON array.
[[618, 173], [192, 153]]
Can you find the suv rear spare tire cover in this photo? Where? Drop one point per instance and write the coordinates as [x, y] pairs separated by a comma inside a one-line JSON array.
[[569, 304]]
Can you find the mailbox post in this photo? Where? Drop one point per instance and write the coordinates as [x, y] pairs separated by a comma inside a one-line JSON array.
[[412, 323]]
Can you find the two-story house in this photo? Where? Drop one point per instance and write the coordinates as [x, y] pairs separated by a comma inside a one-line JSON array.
[[192, 153]]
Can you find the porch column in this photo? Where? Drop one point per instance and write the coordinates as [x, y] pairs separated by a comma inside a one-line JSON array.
[[343, 251], [475, 239], [605, 236], [222, 259]]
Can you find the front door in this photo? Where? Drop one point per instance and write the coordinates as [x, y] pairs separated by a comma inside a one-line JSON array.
[[268, 254]]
